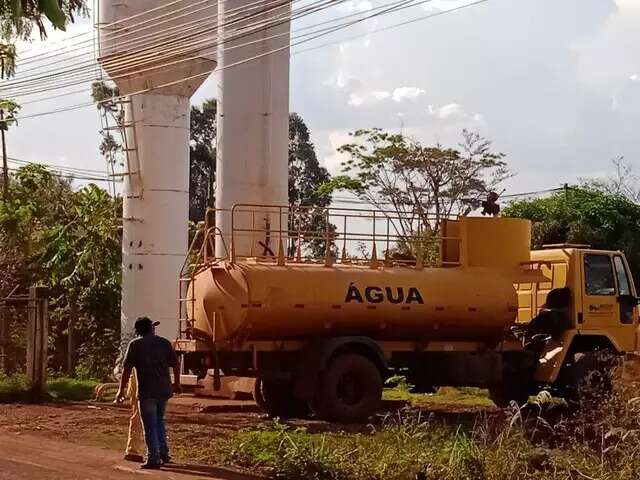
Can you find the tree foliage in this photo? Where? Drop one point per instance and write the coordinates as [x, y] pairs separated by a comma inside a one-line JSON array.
[[202, 159], [19, 17], [306, 175], [418, 185], [622, 181], [584, 215], [68, 241]]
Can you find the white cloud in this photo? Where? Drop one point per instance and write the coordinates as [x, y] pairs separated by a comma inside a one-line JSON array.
[[634, 78], [407, 93], [380, 94], [447, 111], [355, 100], [332, 158], [454, 112]]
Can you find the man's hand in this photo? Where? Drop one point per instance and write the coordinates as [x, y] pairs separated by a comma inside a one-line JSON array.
[[177, 388], [119, 396]]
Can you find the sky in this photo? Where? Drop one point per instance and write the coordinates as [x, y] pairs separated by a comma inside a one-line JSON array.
[[555, 84]]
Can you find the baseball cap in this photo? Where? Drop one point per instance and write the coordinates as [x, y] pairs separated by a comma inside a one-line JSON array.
[[144, 324]]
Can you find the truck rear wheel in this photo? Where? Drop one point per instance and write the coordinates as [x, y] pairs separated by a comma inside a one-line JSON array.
[[350, 389], [276, 398]]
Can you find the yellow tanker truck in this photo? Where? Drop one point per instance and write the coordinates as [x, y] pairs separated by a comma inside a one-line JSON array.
[[469, 305]]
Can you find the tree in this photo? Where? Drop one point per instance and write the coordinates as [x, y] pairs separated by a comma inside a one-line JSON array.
[[202, 159], [305, 176], [83, 258], [418, 186], [623, 181], [68, 241], [8, 111], [19, 17], [584, 215]]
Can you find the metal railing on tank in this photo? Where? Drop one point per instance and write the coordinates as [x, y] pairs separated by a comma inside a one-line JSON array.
[[336, 235]]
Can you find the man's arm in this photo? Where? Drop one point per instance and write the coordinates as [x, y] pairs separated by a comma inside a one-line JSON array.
[[175, 366]]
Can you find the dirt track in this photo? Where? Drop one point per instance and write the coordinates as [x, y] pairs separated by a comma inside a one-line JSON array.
[[31, 457], [85, 441]]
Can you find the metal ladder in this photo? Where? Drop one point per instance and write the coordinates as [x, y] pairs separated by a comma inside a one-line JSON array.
[[130, 148]]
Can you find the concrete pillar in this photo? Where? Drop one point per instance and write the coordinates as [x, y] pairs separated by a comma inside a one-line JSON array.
[[253, 126]]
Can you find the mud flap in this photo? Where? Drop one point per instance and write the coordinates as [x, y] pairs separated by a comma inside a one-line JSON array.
[[552, 358]]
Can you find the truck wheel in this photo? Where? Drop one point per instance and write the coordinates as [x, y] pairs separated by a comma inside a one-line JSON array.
[[588, 377], [276, 398], [503, 395], [350, 389]]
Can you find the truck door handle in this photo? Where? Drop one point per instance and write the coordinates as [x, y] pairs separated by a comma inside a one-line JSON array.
[[594, 307]]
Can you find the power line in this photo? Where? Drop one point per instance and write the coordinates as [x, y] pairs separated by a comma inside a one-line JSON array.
[[50, 81], [68, 175], [396, 7], [58, 167], [87, 104]]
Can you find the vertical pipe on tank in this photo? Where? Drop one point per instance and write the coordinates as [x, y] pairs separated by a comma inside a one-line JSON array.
[[253, 126]]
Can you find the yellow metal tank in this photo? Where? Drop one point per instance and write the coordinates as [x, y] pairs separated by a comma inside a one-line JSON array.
[[472, 301]]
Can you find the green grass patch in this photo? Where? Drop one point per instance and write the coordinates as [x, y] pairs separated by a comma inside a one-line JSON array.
[[64, 388], [445, 396], [407, 448], [15, 388]]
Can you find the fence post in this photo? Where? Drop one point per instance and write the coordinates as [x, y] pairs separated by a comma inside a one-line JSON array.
[[37, 339]]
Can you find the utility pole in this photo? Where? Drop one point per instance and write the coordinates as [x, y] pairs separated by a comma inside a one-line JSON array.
[[5, 166]]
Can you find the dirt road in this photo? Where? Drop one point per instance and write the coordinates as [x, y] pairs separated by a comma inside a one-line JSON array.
[[29, 457]]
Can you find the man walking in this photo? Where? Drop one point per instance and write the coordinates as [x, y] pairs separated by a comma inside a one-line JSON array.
[[151, 356]]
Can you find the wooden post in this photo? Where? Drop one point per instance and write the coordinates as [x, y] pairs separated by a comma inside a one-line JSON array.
[[37, 338]]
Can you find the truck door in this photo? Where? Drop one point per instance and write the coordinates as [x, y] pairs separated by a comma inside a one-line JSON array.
[[605, 306]]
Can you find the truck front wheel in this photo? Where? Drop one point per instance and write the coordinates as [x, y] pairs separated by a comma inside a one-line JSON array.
[[350, 389], [588, 377]]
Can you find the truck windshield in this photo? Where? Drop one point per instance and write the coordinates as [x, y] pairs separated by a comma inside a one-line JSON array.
[[598, 275]]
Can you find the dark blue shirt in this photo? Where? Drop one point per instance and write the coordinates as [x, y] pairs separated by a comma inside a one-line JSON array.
[[152, 356]]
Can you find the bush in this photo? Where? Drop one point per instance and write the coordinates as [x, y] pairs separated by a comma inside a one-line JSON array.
[[16, 388]]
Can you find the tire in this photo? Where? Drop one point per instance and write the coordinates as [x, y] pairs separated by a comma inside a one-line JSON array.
[[588, 377], [504, 395], [350, 389], [276, 398]]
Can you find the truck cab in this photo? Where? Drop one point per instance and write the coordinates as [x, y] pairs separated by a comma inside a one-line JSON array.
[[602, 313]]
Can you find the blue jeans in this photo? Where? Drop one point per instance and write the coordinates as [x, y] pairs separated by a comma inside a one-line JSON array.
[[152, 412]]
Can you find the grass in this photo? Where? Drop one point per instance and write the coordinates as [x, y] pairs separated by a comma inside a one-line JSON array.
[[15, 388], [445, 396], [598, 439], [399, 390]]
